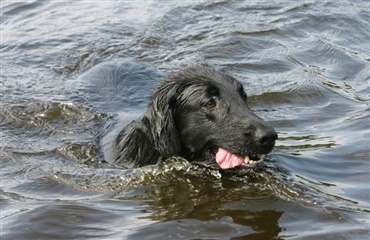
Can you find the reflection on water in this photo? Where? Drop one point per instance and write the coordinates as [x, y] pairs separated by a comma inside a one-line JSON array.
[[305, 66]]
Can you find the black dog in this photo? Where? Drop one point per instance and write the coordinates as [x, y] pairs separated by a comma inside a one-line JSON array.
[[202, 115]]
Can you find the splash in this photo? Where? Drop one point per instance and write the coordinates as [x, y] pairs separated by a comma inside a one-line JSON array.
[[114, 179]]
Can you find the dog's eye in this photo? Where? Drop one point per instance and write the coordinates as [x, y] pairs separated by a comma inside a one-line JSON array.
[[211, 103]]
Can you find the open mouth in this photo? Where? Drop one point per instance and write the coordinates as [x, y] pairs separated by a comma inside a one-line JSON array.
[[227, 160], [252, 163]]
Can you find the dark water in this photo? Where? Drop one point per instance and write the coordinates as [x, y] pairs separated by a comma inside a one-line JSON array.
[[304, 64]]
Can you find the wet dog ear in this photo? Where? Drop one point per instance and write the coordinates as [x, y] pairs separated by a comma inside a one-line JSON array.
[[162, 122]]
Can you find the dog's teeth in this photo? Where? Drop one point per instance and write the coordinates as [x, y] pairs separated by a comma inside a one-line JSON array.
[[246, 160]]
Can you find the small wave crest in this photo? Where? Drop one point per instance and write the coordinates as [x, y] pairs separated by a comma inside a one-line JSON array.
[[114, 179]]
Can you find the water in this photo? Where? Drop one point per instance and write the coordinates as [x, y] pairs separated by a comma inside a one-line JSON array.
[[304, 64]]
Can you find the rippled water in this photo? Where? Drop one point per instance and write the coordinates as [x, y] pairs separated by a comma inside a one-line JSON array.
[[304, 64]]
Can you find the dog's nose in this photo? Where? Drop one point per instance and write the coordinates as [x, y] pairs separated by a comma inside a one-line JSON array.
[[266, 138]]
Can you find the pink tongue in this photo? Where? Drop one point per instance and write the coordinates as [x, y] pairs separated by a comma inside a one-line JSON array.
[[227, 160]]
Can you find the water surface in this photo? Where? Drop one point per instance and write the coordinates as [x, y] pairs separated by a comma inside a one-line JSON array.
[[304, 64]]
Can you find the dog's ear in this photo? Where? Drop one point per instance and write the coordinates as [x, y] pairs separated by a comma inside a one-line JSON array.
[[162, 122]]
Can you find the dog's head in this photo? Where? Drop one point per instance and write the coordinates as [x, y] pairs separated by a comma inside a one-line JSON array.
[[202, 114]]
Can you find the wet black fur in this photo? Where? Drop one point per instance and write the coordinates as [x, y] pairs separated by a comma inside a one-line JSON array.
[[179, 122]]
